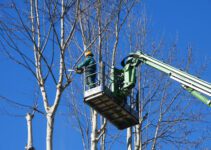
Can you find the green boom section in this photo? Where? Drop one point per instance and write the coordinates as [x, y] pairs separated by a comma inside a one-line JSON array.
[[174, 73], [196, 94], [192, 84]]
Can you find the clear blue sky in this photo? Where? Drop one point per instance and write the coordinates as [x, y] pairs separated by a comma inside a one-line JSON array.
[[190, 20]]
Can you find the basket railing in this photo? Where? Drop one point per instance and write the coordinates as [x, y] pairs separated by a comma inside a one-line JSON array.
[[103, 79]]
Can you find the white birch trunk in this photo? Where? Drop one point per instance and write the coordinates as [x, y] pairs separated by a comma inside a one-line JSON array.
[[29, 145], [138, 138], [49, 131], [158, 126], [102, 144], [138, 135], [94, 131], [99, 20], [103, 137], [129, 138]]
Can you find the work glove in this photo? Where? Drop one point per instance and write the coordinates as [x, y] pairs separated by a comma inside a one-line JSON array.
[[79, 71]]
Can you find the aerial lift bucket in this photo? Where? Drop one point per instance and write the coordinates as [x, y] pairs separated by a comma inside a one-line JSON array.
[[105, 100]]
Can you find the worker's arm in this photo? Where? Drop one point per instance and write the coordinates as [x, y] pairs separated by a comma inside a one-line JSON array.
[[84, 63]]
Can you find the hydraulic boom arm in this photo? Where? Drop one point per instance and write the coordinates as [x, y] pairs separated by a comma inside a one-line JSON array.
[[191, 83]]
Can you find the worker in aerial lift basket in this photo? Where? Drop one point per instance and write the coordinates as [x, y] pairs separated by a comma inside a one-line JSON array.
[[89, 65]]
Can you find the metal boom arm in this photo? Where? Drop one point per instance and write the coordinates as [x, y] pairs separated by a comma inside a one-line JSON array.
[[191, 83]]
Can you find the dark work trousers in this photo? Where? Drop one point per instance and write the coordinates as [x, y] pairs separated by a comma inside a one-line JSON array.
[[90, 80]]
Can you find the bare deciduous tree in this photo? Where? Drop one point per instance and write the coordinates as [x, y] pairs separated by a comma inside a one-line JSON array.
[[41, 37]]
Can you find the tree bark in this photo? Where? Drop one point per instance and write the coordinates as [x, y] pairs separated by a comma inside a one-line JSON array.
[[29, 145], [103, 138], [99, 21], [49, 131], [129, 138], [138, 135], [94, 131], [159, 122]]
